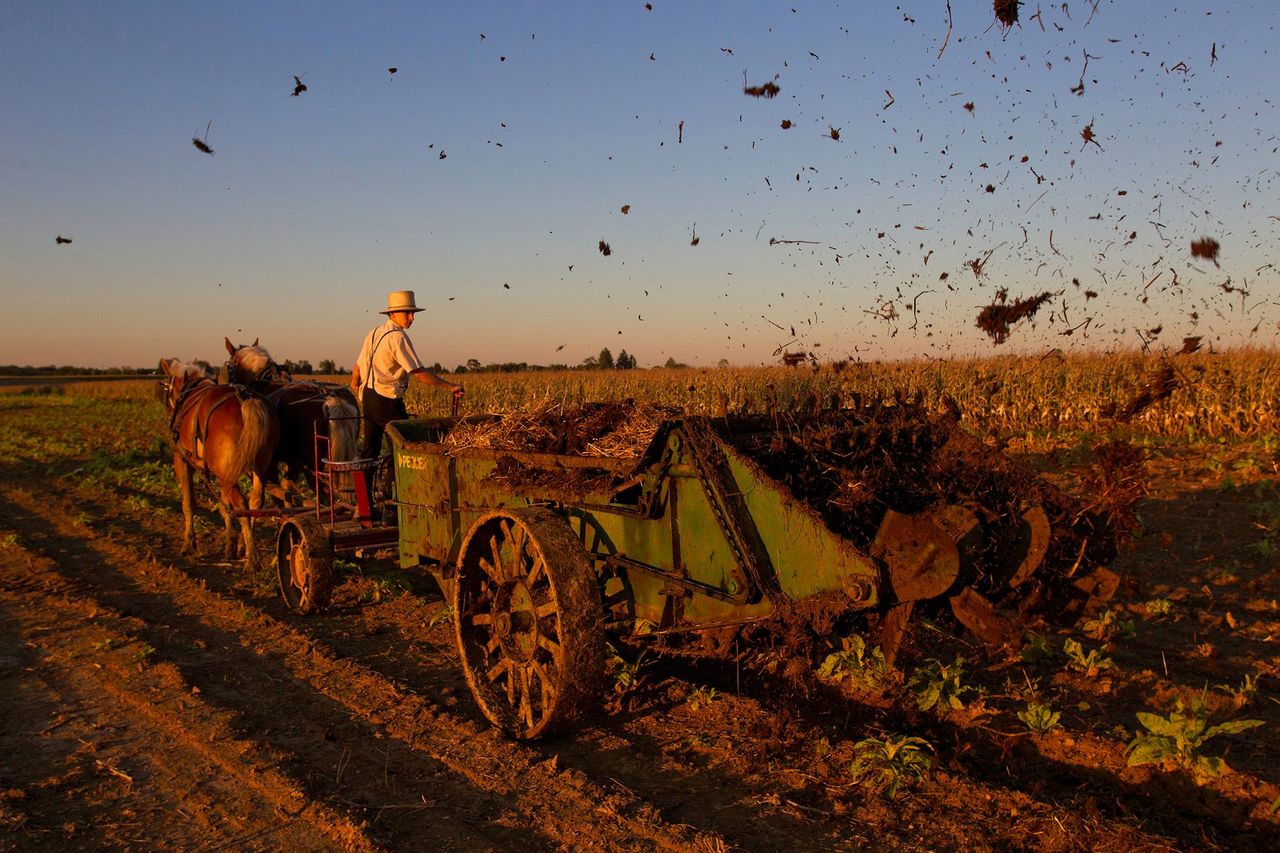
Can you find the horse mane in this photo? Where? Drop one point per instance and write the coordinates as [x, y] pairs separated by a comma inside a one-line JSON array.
[[186, 370], [254, 359], [190, 370]]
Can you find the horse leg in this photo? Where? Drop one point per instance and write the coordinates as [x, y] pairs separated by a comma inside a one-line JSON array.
[[256, 492], [256, 499], [290, 486], [228, 539], [233, 499], [183, 472]]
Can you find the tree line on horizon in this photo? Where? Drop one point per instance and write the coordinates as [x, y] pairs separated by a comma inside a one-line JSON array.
[[605, 360], [71, 370]]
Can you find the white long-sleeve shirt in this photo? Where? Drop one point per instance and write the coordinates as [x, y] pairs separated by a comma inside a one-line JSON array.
[[386, 359]]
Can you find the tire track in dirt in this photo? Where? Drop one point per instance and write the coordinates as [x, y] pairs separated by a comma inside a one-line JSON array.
[[461, 817], [452, 823], [90, 659], [687, 763], [566, 806]]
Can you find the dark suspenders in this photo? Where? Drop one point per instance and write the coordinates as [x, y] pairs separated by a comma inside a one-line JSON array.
[[368, 380]]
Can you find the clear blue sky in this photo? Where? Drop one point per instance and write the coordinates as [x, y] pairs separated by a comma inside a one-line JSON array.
[[313, 207]]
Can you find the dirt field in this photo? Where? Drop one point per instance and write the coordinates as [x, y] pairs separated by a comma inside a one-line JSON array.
[[157, 701]]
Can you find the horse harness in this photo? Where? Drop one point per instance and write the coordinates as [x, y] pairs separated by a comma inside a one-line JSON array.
[[319, 393], [193, 396], [272, 383]]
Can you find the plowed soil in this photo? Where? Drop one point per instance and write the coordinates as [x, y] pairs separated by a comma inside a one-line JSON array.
[[156, 700]]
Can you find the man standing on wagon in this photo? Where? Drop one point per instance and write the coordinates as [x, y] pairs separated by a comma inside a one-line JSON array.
[[386, 363]]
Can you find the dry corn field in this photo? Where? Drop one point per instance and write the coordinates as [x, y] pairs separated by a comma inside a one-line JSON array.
[[1234, 395], [156, 699]]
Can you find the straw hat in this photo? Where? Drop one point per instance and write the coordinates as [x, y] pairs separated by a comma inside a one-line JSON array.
[[400, 300]]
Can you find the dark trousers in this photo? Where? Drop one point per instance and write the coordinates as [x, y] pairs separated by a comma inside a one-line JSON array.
[[378, 412]]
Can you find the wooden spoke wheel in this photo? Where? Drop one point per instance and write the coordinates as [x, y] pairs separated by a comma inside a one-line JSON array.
[[304, 564], [529, 621]]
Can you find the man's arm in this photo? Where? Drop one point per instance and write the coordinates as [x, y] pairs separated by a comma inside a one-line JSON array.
[[355, 380], [426, 376]]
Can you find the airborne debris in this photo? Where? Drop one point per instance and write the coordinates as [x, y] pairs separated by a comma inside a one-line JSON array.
[[1159, 387], [997, 318], [298, 86], [1190, 344], [1207, 248], [1088, 136], [203, 144], [604, 249], [1006, 12], [978, 265], [60, 240], [1116, 482], [767, 90]]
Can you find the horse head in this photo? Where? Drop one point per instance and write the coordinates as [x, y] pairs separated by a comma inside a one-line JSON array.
[[250, 363], [178, 377]]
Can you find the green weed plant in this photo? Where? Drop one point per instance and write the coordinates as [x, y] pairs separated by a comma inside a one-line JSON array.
[[1039, 718], [1177, 740], [938, 685], [885, 765], [702, 697], [861, 665], [1038, 648], [1090, 663], [1107, 626]]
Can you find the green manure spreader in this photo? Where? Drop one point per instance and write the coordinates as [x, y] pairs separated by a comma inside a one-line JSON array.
[[720, 526]]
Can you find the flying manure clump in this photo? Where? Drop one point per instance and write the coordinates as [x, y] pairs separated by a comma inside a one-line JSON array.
[[997, 318], [1207, 248], [764, 90], [1006, 12]]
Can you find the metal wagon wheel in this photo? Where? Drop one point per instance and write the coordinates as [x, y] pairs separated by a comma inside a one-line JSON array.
[[304, 564], [529, 621]]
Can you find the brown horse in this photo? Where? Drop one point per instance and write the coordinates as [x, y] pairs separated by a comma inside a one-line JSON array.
[[305, 409], [223, 432]]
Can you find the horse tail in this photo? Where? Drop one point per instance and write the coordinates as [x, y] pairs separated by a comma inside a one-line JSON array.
[[259, 431], [342, 428]]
